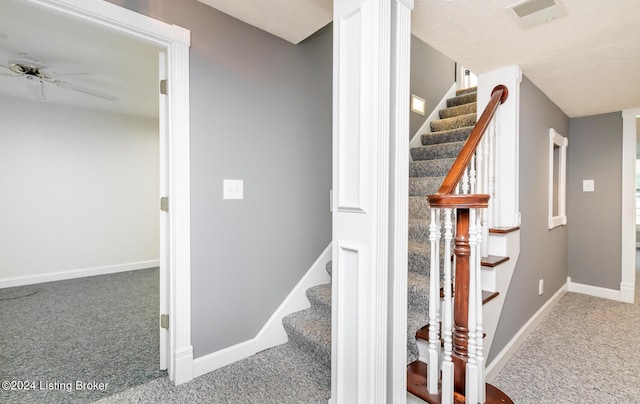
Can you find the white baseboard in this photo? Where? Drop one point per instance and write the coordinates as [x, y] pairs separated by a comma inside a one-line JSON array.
[[594, 291], [184, 368], [77, 273], [627, 292], [507, 352], [273, 332]]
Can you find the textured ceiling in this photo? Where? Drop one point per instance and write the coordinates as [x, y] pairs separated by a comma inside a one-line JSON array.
[[586, 62]]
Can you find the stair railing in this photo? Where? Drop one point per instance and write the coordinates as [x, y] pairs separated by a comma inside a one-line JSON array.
[[464, 194]]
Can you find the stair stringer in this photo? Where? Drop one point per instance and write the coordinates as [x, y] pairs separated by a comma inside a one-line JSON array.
[[498, 279]]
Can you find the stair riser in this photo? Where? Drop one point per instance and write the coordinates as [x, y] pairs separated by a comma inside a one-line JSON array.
[[419, 230], [462, 99], [453, 123], [458, 110], [435, 152], [418, 207], [448, 136], [434, 168], [320, 299], [424, 186], [319, 348]]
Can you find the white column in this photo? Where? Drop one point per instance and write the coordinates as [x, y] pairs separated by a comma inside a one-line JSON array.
[[363, 70]]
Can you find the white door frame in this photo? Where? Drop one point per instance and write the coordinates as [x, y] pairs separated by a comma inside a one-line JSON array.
[[175, 41], [628, 250]]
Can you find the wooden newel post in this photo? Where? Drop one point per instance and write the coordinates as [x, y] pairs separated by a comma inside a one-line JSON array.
[[462, 251]]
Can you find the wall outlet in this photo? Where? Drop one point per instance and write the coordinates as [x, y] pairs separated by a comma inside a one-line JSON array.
[[540, 287], [232, 189]]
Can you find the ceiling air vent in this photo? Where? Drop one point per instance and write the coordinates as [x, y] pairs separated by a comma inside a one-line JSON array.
[[532, 12]]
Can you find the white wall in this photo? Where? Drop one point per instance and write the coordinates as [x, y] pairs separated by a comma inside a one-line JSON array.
[[79, 192]]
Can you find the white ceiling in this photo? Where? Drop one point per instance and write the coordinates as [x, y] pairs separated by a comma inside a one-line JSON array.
[[587, 62], [112, 63]]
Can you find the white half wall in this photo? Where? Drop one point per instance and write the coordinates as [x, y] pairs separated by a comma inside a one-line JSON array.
[[80, 191]]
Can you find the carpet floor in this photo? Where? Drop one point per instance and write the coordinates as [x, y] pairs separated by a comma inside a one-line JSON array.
[[280, 375], [65, 338], [584, 352]]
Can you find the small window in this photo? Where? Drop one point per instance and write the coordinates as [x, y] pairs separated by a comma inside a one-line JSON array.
[[557, 179]]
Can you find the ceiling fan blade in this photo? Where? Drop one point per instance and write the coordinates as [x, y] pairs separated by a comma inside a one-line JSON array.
[[88, 91], [7, 72]]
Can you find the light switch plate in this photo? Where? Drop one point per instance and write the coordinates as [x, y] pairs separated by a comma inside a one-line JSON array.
[[588, 186], [232, 189]]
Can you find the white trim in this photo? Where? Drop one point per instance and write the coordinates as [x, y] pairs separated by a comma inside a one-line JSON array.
[[272, 333], [399, 194], [77, 273], [510, 349], [556, 139], [175, 41], [507, 188], [416, 140], [596, 291], [628, 250]]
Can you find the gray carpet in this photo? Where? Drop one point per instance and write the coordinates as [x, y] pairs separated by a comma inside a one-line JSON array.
[[585, 351], [99, 329], [282, 375]]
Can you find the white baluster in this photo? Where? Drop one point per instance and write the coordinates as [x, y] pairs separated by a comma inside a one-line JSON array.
[[482, 180], [433, 359], [491, 165], [447, 315], [495, 129], [472, 175], [471, 382], [465, 181], [480, 361]]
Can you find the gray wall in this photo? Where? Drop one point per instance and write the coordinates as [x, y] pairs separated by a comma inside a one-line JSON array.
[[261, 112], [432, 74], [595, 232], [543, 252]]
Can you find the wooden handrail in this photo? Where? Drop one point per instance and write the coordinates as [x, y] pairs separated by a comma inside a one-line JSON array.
[[498, 96]]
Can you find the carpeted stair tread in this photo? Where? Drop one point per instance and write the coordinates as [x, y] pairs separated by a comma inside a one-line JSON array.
[[446, 136], [424, 186], [437, 151], [415, 321], [463, 109], [310, 331], [320, 298], [419, 257], [453, 123], [430, 168], [467, 90], [419, 230], [462, 99], [418, 291], [418, 207]]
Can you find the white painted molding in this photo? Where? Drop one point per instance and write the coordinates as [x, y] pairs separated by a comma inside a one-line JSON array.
[[507, 352], [557, 140], [272, 333], [628, 219], [595, 291], [77, 273], [508, 120], [398, 264], [175, 42], [426, 127]]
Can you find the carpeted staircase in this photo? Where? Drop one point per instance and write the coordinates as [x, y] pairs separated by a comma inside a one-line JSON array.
[[310, 330]]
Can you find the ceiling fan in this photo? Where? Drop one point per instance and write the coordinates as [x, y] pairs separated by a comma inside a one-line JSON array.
[[37, 75]]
